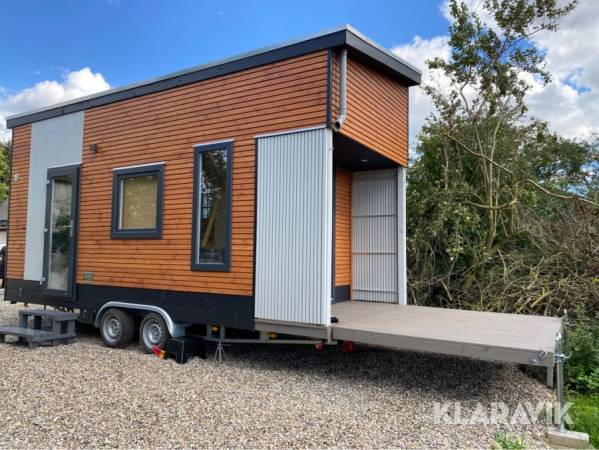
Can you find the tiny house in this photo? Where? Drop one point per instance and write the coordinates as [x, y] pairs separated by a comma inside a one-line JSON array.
[[222, 194], [261, 192]]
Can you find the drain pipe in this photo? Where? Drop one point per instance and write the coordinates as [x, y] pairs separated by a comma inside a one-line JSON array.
[[342, 91]]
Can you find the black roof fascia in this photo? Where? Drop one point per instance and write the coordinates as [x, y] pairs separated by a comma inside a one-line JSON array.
[[410, 75], [345, 36]]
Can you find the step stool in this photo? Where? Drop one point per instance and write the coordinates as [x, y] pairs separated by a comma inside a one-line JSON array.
[[62, 328]]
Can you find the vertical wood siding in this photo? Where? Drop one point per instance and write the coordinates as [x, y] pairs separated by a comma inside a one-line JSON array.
[[17, 215], [377, 109], [165, 126], [343, 181]]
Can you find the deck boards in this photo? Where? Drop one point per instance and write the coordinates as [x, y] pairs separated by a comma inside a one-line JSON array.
[[492, 336]]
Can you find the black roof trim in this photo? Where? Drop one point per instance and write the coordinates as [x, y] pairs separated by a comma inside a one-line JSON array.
[[341, 36]]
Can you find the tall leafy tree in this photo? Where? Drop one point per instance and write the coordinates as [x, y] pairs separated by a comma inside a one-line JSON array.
[[481, 117], [491, 186]]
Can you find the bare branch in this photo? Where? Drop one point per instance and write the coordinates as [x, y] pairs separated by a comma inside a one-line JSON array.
[[505, 205], [526, 180]]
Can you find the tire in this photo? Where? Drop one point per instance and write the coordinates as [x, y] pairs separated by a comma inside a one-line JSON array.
[[153, 331], [117, 328]]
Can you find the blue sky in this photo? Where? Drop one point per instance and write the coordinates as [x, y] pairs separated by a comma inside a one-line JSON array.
[[54, 51], [131, 40]]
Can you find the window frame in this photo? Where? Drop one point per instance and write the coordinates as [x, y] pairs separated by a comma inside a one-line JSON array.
[[133, 172], [198, 149]]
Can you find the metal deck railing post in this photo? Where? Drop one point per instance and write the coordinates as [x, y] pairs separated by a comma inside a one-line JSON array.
[[559, 361]]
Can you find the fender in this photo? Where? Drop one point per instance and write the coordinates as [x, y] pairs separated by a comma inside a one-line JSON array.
[[176, 329]]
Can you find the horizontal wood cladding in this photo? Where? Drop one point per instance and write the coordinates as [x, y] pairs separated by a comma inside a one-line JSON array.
[[164, 127], [377, 109], [19, 190], [343, 252]]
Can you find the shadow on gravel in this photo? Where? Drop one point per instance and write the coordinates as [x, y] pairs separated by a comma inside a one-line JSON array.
[[453, 378], [88, 330], [458, 378]]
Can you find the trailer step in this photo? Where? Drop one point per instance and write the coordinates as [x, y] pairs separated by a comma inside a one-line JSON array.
[[61, 330]]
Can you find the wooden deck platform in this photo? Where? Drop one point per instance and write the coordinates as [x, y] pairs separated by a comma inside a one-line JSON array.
[[514, 338]]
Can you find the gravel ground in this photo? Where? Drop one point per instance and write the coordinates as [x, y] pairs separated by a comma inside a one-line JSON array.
[[87, 395]]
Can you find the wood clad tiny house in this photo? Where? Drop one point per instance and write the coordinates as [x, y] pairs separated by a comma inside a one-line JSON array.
[[223, 194]]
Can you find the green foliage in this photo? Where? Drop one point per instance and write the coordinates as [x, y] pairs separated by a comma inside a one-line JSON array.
[[544, 255], [492, 58], [5, 149], [589, 382], [582, 343], [585, 416], [503, 215], [480, 130], [504, 441]]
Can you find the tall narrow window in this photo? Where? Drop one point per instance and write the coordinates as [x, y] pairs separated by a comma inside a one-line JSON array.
[[137, 202], [212, 207]]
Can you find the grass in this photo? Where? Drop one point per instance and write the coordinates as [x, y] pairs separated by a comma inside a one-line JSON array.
[[585, 415], [504, 441]]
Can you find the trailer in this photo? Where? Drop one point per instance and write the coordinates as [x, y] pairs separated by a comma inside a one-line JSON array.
[[263, 192]]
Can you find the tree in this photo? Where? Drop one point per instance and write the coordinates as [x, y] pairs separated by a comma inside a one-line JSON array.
[[481, 117], [5, 151], [546, 251], [502, 213]]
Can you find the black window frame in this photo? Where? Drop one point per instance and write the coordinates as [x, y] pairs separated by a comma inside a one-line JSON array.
[[225, 266], [133, 172]]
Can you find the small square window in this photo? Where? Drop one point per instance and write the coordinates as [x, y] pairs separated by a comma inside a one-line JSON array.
[[137, 202]]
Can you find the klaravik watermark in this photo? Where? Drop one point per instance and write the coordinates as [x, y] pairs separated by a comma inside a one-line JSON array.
[[525, 413]]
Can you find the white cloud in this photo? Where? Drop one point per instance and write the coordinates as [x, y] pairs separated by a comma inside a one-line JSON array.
[[570, 103], [45, 93], [416, 53]]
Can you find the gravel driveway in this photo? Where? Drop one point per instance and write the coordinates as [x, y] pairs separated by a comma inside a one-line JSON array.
[[87, 395]]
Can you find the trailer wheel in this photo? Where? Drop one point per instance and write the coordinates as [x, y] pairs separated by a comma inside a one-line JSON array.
[[153, 332], [117, 328]]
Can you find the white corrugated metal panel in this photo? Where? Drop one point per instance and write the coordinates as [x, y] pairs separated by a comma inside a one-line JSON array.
[[402, 260], [294, 227], [54, 142], [375, 236]]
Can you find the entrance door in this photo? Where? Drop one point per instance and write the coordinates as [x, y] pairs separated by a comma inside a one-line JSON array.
[[375, 236], [61, 231]]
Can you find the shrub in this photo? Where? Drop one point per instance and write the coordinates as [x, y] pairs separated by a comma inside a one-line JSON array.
[[504, 441], [585, 416], [582, 343]]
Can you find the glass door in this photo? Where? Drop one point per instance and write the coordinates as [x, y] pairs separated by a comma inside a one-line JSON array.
[[61, 231]]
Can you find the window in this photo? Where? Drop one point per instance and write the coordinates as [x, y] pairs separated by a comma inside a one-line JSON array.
[[137, 202], [212, 207]]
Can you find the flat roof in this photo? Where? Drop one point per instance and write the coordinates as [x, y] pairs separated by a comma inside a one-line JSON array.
[[345, 35]]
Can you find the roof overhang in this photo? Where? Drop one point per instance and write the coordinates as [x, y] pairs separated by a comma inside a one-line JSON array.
[[342, 36]]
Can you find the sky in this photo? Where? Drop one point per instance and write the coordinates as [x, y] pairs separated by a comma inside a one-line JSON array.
[[60, 50]]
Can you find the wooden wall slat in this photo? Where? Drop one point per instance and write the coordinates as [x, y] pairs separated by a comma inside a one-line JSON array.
[[19, 190], [377, 105], [165, 126], [343, 180]]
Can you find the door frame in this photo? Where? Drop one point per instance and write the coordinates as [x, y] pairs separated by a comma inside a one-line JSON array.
[[74, 172]]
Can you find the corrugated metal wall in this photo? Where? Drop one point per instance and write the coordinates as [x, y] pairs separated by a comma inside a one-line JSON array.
[[54, 142], [402, 260], [294, 227], [375, 236]]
